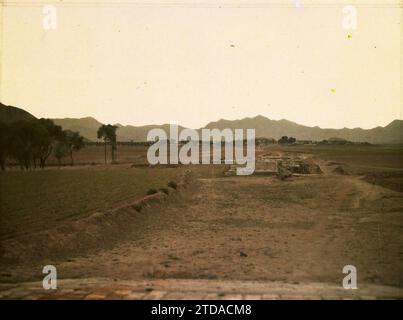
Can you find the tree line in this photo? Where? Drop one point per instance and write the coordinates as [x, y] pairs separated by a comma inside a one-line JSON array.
[[31, 142]]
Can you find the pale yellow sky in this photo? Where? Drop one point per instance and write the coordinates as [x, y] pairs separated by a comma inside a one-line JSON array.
[[142, 64]]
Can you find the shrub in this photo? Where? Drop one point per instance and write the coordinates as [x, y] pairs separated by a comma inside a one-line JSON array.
[[151, 191], [173, 185], [286, 140], [164, 190], [137, 207]]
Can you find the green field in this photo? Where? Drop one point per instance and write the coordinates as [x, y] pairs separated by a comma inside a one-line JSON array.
[[36, 200]]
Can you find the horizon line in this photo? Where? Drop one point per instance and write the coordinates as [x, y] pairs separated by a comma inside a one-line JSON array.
[[221, 119]]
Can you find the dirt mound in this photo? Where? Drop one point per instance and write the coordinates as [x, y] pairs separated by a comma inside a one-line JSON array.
[[301, 166], [283, 173], [340, 170], [334, 163], [309, 168], [100, 230]]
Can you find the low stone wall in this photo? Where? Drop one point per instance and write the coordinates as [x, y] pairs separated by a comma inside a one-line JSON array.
[[281, 166]]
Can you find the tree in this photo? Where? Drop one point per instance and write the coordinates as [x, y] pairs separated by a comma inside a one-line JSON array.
[[108, 134], [60, 150], [23, 142], [291, 140], [286, 140], [74, 142], [46, 139], [31, 141]]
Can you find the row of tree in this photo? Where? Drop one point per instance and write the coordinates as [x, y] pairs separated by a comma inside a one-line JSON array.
[[31, 142]]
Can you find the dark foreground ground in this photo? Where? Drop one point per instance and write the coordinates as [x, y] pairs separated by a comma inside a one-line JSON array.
[[296, 233]]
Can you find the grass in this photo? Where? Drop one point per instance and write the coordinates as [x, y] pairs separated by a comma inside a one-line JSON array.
[[38, 200]]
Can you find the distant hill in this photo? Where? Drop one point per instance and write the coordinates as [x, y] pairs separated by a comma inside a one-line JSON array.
[[10, 114], [265, 128], [87, 126], [129, 133]]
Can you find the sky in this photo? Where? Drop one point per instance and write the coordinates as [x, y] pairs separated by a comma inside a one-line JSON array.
[[153, 63]]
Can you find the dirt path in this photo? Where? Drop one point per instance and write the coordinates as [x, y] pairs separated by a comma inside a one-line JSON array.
[[258, 228]]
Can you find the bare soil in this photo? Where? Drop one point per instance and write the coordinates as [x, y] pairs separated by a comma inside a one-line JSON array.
[[303, 229]]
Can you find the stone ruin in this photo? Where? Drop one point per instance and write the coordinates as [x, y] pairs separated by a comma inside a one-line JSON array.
[[282, 166]]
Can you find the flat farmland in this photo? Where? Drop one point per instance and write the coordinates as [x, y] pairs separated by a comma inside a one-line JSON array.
[[360, 158], [95, 155], [378, 165], [37, 200], [300, 230]]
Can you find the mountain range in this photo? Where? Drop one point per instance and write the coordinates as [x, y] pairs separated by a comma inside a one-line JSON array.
[[265, 127]]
